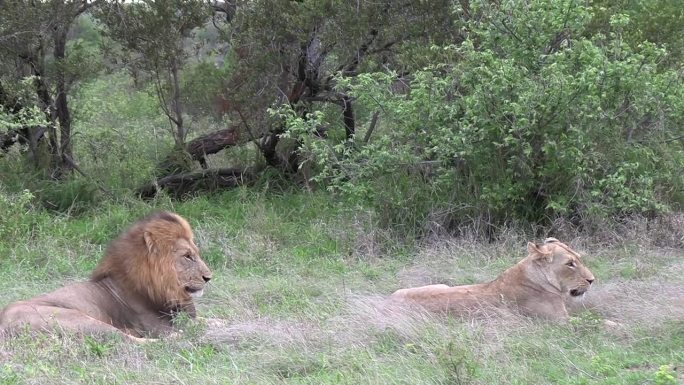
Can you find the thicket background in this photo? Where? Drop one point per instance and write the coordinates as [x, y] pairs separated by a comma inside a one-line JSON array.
[[330, 152]]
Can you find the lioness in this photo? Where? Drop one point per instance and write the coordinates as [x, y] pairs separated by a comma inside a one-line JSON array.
[[536, 285], [149, 274]]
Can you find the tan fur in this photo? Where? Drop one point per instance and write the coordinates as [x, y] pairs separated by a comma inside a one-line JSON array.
[[147, 276], [537, 285]]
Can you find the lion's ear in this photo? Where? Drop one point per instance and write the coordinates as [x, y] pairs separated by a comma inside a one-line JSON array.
[[149, 242], [538, 254], [533, 249]]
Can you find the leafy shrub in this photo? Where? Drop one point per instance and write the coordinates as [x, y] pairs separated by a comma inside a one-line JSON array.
[[664, 376], [119, 129], [458, 364], [27, 117], [527, 119]]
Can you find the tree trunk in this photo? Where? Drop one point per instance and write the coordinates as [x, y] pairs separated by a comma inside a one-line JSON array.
[[176, 107], [268, 150], [348, 116], [64, 154], [47, 105]]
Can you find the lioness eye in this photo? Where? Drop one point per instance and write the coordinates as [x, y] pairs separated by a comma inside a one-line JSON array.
[[571, 264]]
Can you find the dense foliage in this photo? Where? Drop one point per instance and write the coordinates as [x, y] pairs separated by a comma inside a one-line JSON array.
[[528, 118], [434, 115]]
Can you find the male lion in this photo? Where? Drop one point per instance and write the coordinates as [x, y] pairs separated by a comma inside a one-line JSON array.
[[149, 274], [537, 285]]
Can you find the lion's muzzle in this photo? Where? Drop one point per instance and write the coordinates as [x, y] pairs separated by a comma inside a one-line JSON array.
[[582, 289], [194, 292]]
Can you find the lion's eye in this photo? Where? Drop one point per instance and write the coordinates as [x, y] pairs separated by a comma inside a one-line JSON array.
[[571, 264], [188, 256]]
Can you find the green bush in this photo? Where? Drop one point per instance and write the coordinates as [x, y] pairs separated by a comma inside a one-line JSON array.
[[664, 376], [121, 132], [527, 119]]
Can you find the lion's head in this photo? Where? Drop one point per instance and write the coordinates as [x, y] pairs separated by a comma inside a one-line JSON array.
[[157, 259], [561, 266]]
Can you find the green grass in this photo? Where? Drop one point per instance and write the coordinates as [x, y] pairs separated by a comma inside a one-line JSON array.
[[296, 299]]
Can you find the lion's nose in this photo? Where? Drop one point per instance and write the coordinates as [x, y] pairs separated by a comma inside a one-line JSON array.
[[206, 278]]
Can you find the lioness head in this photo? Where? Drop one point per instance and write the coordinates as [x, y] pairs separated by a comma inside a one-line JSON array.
[[156, 258], [562, 266]]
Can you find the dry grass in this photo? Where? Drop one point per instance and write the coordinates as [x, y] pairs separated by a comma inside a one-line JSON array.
[[296, 323], [640, 303], [366, 320], [630, 304], [666, 231]]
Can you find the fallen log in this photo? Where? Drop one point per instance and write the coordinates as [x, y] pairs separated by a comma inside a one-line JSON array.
[[181, 186], [212, 143]]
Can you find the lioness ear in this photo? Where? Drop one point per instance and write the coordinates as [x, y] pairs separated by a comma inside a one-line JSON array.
[[149, 242], [538, 254], [533, 249]]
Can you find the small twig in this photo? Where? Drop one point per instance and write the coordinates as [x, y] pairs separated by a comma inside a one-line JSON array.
[[673, 139]]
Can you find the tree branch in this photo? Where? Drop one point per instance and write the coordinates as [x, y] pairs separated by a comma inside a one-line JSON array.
[[371, 127]]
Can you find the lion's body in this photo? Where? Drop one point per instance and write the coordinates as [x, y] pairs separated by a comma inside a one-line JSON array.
[[537, 285], [147, 276]]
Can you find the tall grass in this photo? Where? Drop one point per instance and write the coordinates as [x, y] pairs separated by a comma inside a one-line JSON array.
[[297, 298]]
